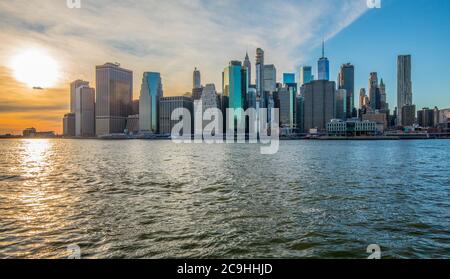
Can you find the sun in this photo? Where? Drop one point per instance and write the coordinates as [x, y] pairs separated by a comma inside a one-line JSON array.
[[35, 68]]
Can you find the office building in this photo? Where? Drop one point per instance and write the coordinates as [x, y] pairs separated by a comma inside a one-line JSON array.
[[69, 125], [338, 127], [408, 117], [426, 118], [85, 112], [114, 98], [197, 82], [248, 65], [319, 104], [260, 91], [73, 88], [341, 104], [346, 80], [151, 93], [323, 66], [306, 75], [234, 88], [270, 79], [288, 78], [404, 85], [167, 107], [285, 101]]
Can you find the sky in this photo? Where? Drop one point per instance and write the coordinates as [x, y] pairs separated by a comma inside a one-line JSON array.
[[175, 36]]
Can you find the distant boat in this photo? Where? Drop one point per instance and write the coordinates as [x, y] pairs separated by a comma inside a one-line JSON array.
[[38, 88]]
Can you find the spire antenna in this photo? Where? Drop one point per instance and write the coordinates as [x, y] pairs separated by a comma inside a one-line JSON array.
[[323, 48]]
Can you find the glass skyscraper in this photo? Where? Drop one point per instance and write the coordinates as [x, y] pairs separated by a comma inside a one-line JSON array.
[[323, 66], [346, 80], [113, 99], [151, 93], [288, 78], [234, 87], [305, 75]]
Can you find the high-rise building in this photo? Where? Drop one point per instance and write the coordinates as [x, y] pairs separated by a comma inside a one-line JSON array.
[[234, 88], [374, 91], [346, 81], [285, 101], [319, 104], [248, 65], [362, 98], [167, 106], [288, 78], [135, 107], [85, 112], [197, 82], [323, 66], [306, 75], [114, 98], [69, 125], [151, 93], [299, 115], [341, 104], [209, 100], [426, 118], [73, 89], [404, 84], [408, 115], [260, 91], [251, 98], [383, 97]]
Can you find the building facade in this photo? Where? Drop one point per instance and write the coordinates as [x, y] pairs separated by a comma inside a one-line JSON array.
[[408, 117], [167, 107], [85, 112], [306, 75], [341, 104], [346, 80], [323, 66], [151, 93], [69, 125], [73, 90], [114, 98], [319, 104], [234, 89], [404, 85]]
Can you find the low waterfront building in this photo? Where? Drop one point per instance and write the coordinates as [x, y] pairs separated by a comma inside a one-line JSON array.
[[133, 124], [338, 127]]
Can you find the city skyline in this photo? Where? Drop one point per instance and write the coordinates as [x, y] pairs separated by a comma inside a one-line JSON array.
[[22, 107]]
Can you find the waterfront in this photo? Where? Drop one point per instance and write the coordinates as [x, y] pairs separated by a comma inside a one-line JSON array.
[[155, 199]]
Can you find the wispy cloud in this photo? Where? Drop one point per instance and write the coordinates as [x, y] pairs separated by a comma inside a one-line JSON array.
[[172, 36]]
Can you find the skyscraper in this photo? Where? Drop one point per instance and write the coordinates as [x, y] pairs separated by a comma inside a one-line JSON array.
[[270, 79], [383, 97], [114, 98], [341, 104], [151, 93], [404, 84], [286, 103], [323, 66], [305, 75], [234, 88], [260, 92], [346, 81], [85, 111], [73, 89], [319, 104], [248, 65], [69, 125], [197, 82], [167, 106], [374, 93]]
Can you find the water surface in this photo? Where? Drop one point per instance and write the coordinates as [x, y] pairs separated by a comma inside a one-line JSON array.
[[155, 199]]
